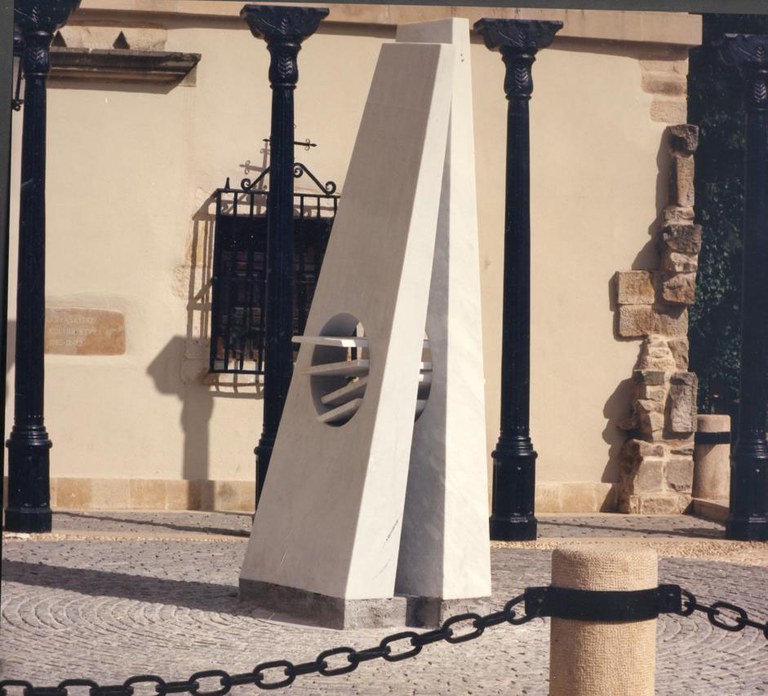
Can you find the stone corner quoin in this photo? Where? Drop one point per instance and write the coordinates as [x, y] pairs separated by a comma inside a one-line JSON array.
[[656, 461]]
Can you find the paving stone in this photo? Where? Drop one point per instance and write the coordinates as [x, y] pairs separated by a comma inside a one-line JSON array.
[[110, 595]]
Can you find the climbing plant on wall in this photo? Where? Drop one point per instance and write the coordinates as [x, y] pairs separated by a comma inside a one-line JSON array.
[[715, 105]]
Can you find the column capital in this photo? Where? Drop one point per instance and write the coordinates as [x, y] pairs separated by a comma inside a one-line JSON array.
[[283, 24], [38, 20], [517, 35], [283, 28], [749, 53], [517, 40], [46, 16]]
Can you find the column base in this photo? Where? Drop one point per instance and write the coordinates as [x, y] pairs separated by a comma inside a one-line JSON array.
[[28, 520], [522, 528], [514, 490], [748, 505], [746, 529]]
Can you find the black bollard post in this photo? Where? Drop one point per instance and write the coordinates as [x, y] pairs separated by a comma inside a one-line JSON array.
[[748, 512], [283, 28], [514, 459], [28, 445]]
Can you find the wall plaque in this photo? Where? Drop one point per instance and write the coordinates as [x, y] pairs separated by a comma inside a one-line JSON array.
[[84, 332]]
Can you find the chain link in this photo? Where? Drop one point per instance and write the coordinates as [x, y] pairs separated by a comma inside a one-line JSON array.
[[279, 674], [722, 615]]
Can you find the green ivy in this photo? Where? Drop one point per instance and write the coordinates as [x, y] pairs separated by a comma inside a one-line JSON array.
[[715, 105]]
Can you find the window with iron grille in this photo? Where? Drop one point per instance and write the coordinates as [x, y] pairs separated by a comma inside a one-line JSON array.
[[239, 268]]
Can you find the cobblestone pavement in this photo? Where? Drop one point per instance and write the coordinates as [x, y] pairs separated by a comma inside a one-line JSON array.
[[110, 595]]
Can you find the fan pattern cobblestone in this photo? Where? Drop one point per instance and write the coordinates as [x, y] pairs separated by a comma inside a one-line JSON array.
[[139, 593]]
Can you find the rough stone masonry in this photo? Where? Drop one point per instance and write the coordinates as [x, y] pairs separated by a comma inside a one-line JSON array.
[[656, 462]]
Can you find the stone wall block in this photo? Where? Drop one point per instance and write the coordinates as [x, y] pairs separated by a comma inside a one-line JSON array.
[[679, 348], [662, 504], [635, 321], [649, 477], [656, 395], [671, 321], [679, 474], [681, 183], [682, 402], [655, 354], [683, 138], [677, 215], [685, 239], [672, 109], [651, 425], [679, 288], [634, 450], [106, 37], [634, 288], [682, 447], [649, 405], [677, 262], [664, 83], [652, 378]]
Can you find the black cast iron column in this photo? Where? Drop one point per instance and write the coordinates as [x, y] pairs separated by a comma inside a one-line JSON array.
[[28, 446], [283, 28], [748, 513], [514, 459]]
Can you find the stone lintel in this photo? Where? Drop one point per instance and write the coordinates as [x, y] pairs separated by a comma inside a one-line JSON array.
[[661, 28]]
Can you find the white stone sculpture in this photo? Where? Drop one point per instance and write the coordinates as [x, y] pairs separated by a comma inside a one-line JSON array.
[[326, 540], [444, 554]]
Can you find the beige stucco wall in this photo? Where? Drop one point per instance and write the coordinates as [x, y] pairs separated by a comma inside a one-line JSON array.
[[130, 170]]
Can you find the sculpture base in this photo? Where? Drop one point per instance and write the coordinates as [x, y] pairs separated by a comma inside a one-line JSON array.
[[430, 612], [337, 612], [324, 610]]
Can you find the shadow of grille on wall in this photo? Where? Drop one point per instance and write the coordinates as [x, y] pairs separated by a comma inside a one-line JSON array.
[[239, 281]]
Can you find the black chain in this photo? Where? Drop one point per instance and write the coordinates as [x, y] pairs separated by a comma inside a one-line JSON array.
[[330, 663], [281, 673], [723, 615]]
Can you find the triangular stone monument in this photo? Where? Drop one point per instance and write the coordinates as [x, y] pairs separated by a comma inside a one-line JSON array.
[[444, 554], [326, 541]]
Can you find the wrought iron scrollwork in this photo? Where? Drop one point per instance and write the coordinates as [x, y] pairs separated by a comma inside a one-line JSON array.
[[249, 184], [299, 169]]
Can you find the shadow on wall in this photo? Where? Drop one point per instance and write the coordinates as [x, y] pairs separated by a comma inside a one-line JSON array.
[[196, 411], [647, 258], [615, 409], [182, 366]]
